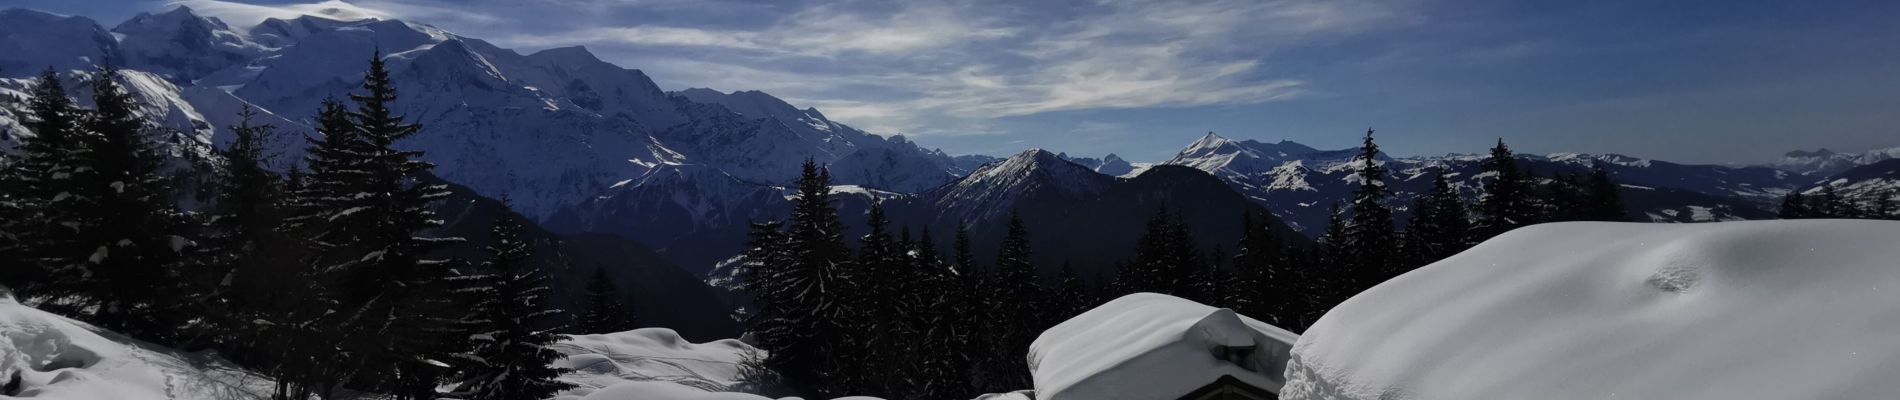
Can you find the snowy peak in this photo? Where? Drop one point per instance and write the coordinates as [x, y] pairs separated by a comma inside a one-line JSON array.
[[1224, 157], [182, 45], [755, 104], [1824, 162], [995, 188], [32, 40]]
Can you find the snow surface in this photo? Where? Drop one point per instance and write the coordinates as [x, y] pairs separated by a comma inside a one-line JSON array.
[[650, 355], [1153, 346], [1758, 309], [56, 358]]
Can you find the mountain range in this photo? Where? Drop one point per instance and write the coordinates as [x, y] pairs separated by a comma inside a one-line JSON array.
[[601, 155]]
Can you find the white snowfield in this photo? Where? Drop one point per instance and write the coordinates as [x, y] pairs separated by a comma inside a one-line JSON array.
[[656, 364], [1804, 309], [1148, 346], [48, 357]]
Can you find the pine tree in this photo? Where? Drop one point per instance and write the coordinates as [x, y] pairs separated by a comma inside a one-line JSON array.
[[1369, 236], [48, 164], [1166, 261], [512, 352], [1794, 206], [1012, 314], [807, 326], [1883, 207], [1260, 274], [1507, 201], [140, 279], [247, 253], [1438, 227], [1603, 200], [394, 316], [1327, 277], [1068, 295], [605, 313], [1830, 204]]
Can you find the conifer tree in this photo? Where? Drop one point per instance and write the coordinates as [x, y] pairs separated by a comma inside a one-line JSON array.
[[1369, 237], [1012, 312], [1794, 206], [1438, 227], [1830, 204], [1883, 207], [1603, 198], [139, 276], [394, 316], [1068, 295], [808, 326], [46, 166], [1260, 274], [1327, 278], [1506, 203], [605, 312], [512, 350]]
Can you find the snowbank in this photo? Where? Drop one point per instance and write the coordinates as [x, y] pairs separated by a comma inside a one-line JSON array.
[[1762, 310], [651, 355], [1154, 346], [54, 358]]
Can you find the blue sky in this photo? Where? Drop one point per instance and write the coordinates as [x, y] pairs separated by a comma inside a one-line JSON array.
[[1691, 81]]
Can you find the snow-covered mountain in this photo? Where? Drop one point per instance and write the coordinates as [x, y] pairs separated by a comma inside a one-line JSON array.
[[553, 128], [1824, 162], [1111, 164], [1300, 183], [1074, 214]]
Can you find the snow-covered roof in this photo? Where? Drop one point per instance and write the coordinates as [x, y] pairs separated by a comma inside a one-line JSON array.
[[1758, 309], [1154, 346]]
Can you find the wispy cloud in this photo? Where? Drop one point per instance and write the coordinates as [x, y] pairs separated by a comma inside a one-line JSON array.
[[929, 67]]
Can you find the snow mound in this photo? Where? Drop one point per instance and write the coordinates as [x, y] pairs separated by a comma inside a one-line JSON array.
[[653, 357], [48, 357], [1763, 309], [1155, 346]]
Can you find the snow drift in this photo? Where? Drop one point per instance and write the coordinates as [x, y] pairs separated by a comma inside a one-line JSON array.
[[48, 357], [656, 355], [1767, 310], [1154, 346]]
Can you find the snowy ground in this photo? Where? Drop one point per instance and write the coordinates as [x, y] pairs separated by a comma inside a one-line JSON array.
[[1765, 309], [652, 355], [48, 357]]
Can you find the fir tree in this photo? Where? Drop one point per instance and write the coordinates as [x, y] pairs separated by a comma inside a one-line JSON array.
[[808, 326], [1369, 237], [394, 316], [1438, 227], [1603, 200], [605, 313], [512, 352], [138, 275], [1794, 206], [1507, 202], [1068, 295], [1260, 275], [1830, 204], [45, 251], [1012, 312]]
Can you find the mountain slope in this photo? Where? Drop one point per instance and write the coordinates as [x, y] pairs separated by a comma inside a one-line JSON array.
[[1075, 215], [1300, 183]]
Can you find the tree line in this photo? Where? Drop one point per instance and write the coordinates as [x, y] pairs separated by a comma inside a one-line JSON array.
[[1830, 203], [899, 318], [321, 279]]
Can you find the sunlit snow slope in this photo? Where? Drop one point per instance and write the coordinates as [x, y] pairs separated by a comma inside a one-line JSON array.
[[1761, 310], [48, 357]]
